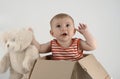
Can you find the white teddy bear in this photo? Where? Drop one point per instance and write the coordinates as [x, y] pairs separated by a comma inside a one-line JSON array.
[[21, 54]]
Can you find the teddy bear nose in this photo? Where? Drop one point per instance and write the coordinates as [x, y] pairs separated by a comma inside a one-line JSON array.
[[8, 45]]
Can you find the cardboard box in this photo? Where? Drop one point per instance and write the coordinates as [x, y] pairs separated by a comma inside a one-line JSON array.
[[86, 68]]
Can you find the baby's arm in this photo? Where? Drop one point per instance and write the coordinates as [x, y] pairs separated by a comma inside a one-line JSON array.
[[42, 48], [90, 42]]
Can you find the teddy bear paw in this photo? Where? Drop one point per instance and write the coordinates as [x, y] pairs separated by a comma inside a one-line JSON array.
[[27, 66]]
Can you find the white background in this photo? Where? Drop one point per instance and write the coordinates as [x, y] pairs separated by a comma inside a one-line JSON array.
[[101, 16]]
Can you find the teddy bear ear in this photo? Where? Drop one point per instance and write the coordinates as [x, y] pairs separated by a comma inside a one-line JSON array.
[[4, 36], [24, 38], [0, 36], [1, 41]]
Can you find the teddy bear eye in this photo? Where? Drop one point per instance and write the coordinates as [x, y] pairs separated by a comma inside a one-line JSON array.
[[13, 40], [5, 41]]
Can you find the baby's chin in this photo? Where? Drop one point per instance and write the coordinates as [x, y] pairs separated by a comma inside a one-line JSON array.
[[65, 39]]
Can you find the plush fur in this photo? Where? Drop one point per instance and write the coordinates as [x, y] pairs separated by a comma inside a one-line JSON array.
[[20, 55]]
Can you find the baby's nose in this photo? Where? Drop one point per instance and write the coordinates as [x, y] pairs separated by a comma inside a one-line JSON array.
[[64, 29]]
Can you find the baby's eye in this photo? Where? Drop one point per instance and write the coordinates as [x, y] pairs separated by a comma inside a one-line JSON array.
[[67, 25], [58, 26]]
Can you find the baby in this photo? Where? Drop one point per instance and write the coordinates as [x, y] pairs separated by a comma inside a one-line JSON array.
[[64, 46]]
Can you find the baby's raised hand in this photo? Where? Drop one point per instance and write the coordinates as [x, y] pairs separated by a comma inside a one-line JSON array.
[[82, 28]]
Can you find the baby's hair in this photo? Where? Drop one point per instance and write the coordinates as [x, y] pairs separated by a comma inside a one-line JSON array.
[[61, 15]]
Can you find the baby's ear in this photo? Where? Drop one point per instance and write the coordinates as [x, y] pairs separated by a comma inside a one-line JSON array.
[[74, 30], [51, 32]]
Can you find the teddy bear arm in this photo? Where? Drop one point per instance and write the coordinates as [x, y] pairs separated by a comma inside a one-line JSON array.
[[26, 76], [31, 54], [4, 63], [14, 74]]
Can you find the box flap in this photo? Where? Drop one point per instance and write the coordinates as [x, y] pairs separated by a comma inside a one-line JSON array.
[[52, 69], [93, 67], [86, 68], [79, 72]]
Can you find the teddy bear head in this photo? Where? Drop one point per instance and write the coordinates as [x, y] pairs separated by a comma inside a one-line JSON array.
[[17, 40]]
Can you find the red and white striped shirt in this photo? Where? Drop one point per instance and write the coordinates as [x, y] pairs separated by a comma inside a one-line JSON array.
[[71, 53]]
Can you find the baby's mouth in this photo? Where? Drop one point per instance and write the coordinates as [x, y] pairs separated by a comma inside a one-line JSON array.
[[64, 34]]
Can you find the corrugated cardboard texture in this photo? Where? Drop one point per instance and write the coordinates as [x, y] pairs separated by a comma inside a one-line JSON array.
[[86, 68], [93, 67], [79, 73], [49, 69]]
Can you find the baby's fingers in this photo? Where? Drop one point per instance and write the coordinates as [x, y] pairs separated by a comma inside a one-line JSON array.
[[82, 26]]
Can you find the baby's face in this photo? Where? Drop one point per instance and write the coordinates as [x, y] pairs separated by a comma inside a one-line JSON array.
[[62, 29]]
